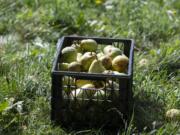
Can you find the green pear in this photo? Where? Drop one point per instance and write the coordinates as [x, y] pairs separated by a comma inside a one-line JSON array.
[[63, 66], [74, 66], [120, 63], [112, 51], [107, 48], [77, 47], [100, 54], [115, 52], [87, 59], [86, 91], [106, 61], [96, 67], [88, 45], [69, 54]]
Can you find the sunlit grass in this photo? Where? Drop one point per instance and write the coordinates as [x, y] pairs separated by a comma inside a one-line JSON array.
[[28, 34]]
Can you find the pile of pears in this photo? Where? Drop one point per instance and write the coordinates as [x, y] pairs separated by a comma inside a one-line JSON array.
[[86, 56]]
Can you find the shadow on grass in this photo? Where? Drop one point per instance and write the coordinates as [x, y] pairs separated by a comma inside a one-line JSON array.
[[148, 111], [148, 115], [94, 119]]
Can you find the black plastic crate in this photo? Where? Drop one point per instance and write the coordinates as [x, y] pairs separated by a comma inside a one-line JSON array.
[[107, 111]]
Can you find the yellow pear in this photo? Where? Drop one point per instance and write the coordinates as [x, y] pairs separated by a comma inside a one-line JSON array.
[[120, 63], [80, 82], [85, 91], [99, 84], [106, 61]]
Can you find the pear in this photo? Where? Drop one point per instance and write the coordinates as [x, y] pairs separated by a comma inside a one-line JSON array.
[[107, 48], [115, 87], [120, 63], [100, 54], [74, 66], [63, 66], [86, 91], [99, 84], [96, 67], [88, 45], [79, 55], [89, 89], [118, 73], [143, 62], [100, 94], [87, 59], [110, 72], [106, 61], [69, 54], [113, 84], [78, 93], [77, 47], [67, 81], [112, 51], [80, 82], [173, 114]]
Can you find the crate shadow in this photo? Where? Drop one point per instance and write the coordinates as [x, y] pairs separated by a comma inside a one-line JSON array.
[[148, 111], [148, 114], [99, 121]]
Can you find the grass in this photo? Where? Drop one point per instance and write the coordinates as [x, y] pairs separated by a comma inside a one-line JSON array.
[[29, 31]]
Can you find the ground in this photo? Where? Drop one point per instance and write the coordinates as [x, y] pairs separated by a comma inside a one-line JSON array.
[[29, 30]]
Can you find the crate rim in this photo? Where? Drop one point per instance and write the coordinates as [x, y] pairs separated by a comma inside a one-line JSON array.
[[97, 75], [95, 37], [84, 74]]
